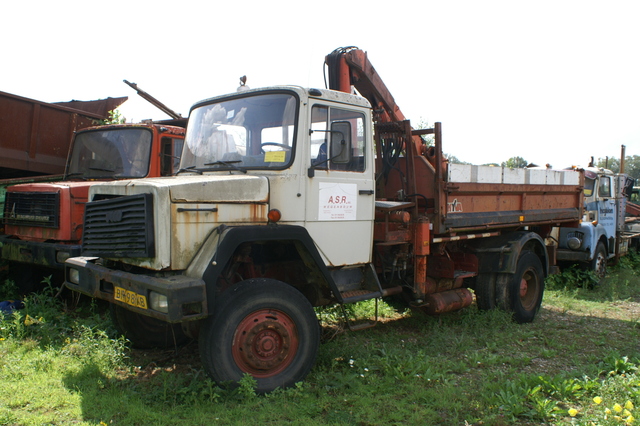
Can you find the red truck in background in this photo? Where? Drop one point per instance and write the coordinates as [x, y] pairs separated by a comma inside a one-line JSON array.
[[44, 220]]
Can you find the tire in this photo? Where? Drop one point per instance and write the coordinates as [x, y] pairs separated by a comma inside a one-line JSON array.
[[485, 290], [521, 293], [262, 327], [599, 262], [145, 332]]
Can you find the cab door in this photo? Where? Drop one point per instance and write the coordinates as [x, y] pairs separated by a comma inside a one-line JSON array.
[[607, 208], [340, 198]]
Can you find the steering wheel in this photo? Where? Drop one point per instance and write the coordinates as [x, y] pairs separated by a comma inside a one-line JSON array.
[[281, 145]]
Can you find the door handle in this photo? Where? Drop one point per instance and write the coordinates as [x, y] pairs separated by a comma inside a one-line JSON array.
[[366, 192]]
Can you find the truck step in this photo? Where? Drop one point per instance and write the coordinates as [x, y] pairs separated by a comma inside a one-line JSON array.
[[359, 324], [356, 284], [353, 296]]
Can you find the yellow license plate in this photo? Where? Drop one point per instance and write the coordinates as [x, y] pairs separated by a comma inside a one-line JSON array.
[[130, 298]]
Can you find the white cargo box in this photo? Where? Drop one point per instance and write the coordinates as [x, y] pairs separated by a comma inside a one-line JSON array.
[[460, 172], [486, 174], [536, 176], [554, 177], [467, 173], [570, 177], [513, 176]]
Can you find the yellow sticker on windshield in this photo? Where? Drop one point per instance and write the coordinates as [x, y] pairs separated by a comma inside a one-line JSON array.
[[275, 157]]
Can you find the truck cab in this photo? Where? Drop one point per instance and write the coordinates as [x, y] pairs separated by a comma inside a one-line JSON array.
[[44, 220], [295, 157], [600, 237]]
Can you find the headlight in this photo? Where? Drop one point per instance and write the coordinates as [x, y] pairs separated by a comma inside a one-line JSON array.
[[158, 302], [574, 243], [574, 240], [73, 275], [61, 256]]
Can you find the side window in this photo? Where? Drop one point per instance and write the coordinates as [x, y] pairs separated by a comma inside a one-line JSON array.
[[319, 136], [323, 120], [604, 190], [177, 152], [170, 160]]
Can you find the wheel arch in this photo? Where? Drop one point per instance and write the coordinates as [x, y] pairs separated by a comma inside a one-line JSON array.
[[609, 245], [500, 254], [232, 239], [595, 235]]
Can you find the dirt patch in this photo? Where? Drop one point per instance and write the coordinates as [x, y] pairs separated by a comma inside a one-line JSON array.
[[148, 363]]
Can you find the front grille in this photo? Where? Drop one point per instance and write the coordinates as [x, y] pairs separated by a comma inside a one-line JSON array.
[[32, 209], [119, 227], [575, 234]]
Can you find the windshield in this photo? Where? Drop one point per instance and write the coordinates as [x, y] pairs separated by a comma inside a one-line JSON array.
[[252, 132], [111, 153], [589, 184]]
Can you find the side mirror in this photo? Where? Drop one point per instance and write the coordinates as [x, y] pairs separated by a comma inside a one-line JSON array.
[[340, 149], [628, 187]]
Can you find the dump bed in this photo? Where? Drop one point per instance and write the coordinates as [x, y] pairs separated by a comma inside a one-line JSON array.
[[464, 198], [476, 198], [35, 136]]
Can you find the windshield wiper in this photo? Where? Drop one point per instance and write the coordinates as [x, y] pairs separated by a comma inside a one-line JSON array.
[[189, 169], [75, 174], [228, 164], [100, 169]]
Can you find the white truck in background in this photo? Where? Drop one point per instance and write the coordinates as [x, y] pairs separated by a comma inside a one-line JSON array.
[[609, 224]]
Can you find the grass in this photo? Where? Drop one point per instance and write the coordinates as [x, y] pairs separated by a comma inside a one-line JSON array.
[[577, 364]]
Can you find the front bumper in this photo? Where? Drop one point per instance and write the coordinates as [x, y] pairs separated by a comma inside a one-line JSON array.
[[573, 255], [50, 255], [186, 296]]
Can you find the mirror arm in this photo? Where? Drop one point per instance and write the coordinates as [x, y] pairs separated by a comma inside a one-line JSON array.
[[311, 170]]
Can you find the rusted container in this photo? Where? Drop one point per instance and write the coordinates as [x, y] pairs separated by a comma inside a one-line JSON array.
[[35, 136]]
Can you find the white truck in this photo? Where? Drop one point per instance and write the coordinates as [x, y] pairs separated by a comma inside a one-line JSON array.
[[290, 198], [605, 231]]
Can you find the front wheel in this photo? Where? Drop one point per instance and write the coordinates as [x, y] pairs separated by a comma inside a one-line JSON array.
[[599, 262], [264, 328], [521, 293]]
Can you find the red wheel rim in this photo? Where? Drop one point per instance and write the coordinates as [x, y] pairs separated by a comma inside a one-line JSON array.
[[265, 343], [523, 287], [529, 289]]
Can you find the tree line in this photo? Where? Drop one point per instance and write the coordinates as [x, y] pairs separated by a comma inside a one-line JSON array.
[[631, 164]]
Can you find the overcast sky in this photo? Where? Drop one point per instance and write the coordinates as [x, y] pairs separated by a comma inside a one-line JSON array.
[[551, 81]]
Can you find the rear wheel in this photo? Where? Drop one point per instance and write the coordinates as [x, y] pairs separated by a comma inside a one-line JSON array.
[[485, 289], [521, 293], [145, 332], [262, 327]]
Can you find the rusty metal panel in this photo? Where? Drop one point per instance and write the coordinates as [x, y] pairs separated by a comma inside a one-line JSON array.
[[480, 206], [452, 300], [422, 236], [35, 136], [191, 225], [231, 188], [391, 233], [100, 107]]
